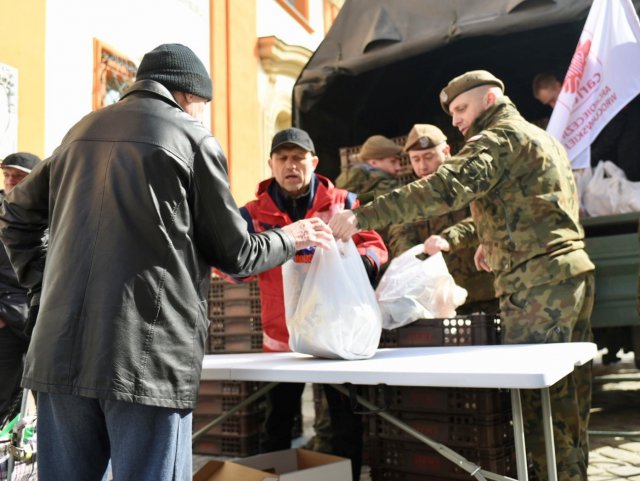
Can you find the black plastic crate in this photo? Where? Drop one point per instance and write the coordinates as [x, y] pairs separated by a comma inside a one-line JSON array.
[[473, 329], [234, 307], [240, 389], [233, 446], [216, 405], [409, 461], [235, 325], [441, 400], [219, 343], [460, 430], [240, 425], [225, 289]]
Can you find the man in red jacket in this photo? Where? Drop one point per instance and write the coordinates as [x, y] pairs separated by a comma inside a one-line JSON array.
[[295, 192]]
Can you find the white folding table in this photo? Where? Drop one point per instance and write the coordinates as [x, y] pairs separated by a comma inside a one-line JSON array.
[[514, 367]]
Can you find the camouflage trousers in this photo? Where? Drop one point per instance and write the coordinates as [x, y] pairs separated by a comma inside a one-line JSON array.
[[558, 312]]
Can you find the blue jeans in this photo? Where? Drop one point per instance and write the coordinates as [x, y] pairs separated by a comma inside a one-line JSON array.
[[77, 436]]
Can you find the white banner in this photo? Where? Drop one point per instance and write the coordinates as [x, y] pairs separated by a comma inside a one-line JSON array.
[[603, 77]]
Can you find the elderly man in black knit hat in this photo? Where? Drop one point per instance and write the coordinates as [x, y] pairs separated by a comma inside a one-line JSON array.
[[14, 302], [138, 205]]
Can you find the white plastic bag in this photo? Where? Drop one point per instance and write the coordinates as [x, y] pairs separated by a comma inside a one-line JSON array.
[[330, 306], [413, 289], [610, 192]]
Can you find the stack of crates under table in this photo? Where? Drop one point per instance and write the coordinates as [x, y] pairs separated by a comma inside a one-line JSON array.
[[476, 423], [235, 327]]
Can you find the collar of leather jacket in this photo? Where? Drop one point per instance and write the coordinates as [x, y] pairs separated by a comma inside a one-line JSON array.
[[153, 87]]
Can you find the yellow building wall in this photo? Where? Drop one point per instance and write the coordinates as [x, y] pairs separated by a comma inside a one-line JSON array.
[[22, 45], [235, 109]]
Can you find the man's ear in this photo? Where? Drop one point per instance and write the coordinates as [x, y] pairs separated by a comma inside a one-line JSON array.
[[314, 161], [489, 99]]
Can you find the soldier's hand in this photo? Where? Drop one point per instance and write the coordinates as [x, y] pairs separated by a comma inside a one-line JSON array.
[[479, 260], [2, 324], [435, 244], [308, 233], [344, 225]]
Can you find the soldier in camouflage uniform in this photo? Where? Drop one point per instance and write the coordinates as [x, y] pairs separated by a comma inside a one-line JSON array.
[[376, 173], [525, 208], [428, 149]]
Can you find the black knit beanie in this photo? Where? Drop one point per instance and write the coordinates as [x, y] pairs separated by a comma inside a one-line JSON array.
[[177, 68]]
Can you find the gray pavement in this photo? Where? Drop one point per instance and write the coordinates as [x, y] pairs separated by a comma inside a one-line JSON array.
[[616, 408]]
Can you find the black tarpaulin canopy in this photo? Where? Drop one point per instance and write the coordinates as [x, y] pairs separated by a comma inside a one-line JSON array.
[[383, 63]]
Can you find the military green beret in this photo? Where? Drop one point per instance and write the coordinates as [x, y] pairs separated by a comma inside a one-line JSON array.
[[424, 136], [379, 147], [464, 82]]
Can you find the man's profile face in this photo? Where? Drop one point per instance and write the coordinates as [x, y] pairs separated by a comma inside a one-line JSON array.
[[12, 177], [426, 161], [292, 168], [391, 165], [549, 95], [466, 108]]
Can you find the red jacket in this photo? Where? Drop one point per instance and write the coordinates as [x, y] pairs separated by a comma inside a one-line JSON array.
[[264, 214]]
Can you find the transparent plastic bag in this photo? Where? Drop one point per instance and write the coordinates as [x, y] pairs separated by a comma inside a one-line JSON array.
[[413, 289], [610, 192], [330, 306]]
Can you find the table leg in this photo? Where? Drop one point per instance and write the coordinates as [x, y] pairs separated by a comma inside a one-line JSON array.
[[549, 442], [518, 433]]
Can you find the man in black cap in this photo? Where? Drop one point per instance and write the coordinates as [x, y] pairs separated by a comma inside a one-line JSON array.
[[137, 202], [296, 192], [14, 303]]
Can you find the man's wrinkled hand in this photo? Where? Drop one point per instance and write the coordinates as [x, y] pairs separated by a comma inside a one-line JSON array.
[[480, 261], [309, 233], [435, 244], [344, 225]]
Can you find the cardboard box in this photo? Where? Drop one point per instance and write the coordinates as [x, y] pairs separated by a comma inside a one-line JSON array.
[[287, 465]]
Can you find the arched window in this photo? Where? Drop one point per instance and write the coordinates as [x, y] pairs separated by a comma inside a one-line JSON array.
[[113, 73]]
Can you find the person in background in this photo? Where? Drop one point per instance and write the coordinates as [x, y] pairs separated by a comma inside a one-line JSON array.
[[296, 192], [376, 173], [524, 201], [616, 141], [452, 233], [137, 202], [14, 302]]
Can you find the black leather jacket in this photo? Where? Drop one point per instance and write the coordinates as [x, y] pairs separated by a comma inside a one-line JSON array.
[[14, 301], [138, 204]]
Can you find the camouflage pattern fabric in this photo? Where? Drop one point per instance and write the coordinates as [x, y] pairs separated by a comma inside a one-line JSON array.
[[367, 182], [524, 204], [457, 227], [523, 198], [558, 312]]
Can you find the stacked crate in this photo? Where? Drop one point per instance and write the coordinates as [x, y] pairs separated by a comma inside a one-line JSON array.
[[234, 327], [476, 423]]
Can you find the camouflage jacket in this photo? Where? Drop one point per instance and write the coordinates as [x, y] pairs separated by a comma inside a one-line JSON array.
[[367, 182], [458, 228], [525, 202]]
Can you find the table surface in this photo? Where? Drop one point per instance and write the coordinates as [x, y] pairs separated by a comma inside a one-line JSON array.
[[517, 366]]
